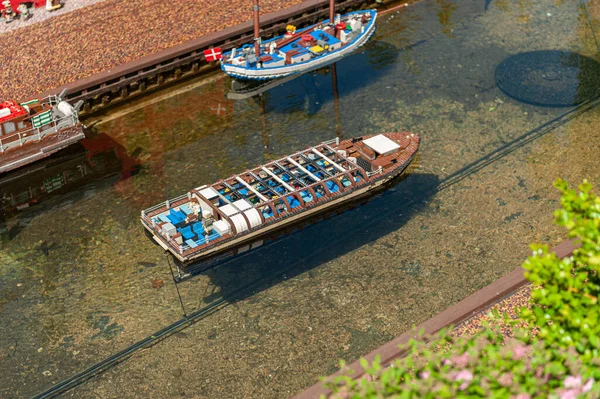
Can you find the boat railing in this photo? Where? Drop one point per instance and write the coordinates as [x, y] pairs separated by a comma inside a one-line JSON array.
[[37, 133], [167, 204], [378, 171], [335, 141]]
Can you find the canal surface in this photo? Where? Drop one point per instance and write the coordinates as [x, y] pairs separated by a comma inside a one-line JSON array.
[[79, 279]]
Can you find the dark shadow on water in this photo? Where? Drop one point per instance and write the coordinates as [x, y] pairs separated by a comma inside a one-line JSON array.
[[68, 176], [549, 78], [324, 239], [307, 92]]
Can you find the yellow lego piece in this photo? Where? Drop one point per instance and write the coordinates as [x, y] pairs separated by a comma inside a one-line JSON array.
[[317, 49]]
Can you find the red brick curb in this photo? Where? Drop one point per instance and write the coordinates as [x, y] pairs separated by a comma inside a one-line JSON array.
[[468, 307]]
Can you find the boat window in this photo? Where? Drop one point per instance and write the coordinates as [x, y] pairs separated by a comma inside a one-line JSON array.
[[294, 201], [332, 186], [306, 196], [345, 181], [320, 191], [358, 177], [21, 125], [267, 212], [307, 180], [9, 127], [280, 207], [253, 199]]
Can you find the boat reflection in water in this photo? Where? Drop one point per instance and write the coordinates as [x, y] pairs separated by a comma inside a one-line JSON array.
[[92, 163], [311, 89]]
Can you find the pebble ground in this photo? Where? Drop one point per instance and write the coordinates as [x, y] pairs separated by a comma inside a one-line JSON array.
[[509, 306], [40, 14], [93, 39]]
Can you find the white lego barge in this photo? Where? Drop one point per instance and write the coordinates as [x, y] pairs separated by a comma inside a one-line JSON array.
[[214, 218]]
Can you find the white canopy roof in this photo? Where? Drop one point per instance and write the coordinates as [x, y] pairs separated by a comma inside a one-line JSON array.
[[228, 210], [208, 193], [242, 204], [381, 144]]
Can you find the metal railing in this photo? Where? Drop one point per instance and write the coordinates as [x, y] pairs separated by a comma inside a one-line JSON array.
[[36, 134]]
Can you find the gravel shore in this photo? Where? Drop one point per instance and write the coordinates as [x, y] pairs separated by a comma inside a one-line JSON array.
[[112, 32], [40, 14], [509, 305]]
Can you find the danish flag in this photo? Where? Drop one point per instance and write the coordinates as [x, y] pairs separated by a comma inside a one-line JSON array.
[[213, 54]]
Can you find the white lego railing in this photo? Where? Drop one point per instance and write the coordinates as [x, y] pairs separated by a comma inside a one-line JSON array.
[[36, 134]]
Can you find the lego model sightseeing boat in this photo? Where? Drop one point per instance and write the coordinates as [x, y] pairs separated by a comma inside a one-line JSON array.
[[35, 129], [299, 51], [214, 218]]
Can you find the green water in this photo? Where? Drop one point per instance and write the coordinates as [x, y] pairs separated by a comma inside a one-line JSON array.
[[79, 279]]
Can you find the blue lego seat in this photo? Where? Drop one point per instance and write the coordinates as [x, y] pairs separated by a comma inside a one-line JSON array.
[[191, 243], [311, 168], [187, 233], [285, 177], [306, 196], [294, 203], [267, 213], [198, 229], [185, 209], [332, 186], [176, 217]]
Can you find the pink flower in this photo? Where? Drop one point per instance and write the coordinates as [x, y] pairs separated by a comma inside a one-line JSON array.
[[573, 387], [461, 361], [520, 351], [523, 396], [572, 382], [424, 375], [463, 375], [568, 394], [505, 379]]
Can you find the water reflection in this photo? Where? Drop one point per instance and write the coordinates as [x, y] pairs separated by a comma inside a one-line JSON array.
[[309, 91], [79, 171]]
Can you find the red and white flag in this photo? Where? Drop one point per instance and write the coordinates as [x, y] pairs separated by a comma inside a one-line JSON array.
[[213, 54]]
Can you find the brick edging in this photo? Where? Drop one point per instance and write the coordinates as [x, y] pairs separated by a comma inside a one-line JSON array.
[[463, 310]]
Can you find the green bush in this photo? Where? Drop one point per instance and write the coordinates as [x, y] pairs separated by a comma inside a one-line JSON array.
[[561, 361], [565, 300]]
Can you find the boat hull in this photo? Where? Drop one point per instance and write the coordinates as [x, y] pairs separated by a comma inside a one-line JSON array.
[[34, 151], [236, 241], [267, 73]]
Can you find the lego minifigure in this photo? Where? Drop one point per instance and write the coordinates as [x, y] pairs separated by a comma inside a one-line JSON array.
[[207, 222], [24, 11], [8, 14]]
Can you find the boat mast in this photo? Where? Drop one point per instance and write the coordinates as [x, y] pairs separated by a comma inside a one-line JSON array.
[[256, 30], [331, 10]]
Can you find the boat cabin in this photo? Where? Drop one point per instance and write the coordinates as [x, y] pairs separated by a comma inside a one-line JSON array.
[[15, 117]]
